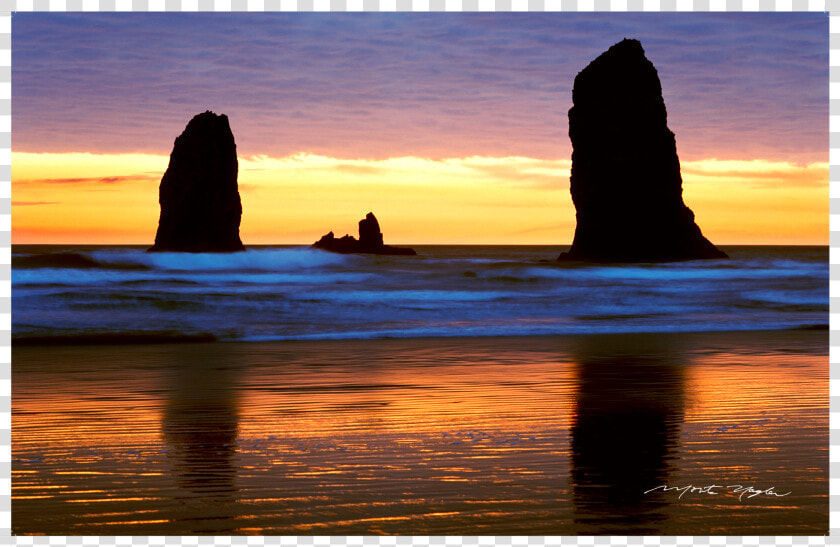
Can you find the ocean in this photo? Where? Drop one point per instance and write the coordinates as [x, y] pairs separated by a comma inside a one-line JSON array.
[[297, 293], [470, 390]]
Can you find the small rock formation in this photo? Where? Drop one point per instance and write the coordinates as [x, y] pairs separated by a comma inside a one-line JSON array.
[[370, 238], [626, 183], [369, 242], [200, 207]]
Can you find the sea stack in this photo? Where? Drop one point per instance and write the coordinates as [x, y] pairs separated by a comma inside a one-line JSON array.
[[200, 209], [370, 241], [626, 183]]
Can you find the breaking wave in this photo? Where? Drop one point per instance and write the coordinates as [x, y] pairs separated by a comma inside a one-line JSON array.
[[282, 293]]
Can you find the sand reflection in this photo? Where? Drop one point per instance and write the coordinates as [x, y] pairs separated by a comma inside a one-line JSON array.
[[625, 431], [485, 436], [200, 423]]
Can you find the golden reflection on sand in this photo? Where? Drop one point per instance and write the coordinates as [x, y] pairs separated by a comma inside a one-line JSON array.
[[555, 435]]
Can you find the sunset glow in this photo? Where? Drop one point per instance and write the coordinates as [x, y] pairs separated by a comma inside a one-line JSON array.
[[100, 198], [452, 128]]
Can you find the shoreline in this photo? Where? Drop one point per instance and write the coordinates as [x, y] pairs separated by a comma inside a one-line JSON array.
[[166, 338]]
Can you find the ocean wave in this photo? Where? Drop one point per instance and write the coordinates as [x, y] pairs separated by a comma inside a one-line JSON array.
[[284, 259], [403, 295], [52, 277], [792, 297], [111, 338], [664, 273], [79, 261], [271, 260], [300, 293]]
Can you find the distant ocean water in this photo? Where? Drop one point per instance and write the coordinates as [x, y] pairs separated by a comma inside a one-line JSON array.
[[89, 293]]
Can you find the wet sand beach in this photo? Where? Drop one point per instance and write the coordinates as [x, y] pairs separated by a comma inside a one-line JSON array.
[[554, 435]]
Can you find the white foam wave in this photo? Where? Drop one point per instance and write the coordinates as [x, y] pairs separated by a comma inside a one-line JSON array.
[[284, 259]]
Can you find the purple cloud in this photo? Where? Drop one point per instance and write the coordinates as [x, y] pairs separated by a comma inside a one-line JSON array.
[[431, 85]]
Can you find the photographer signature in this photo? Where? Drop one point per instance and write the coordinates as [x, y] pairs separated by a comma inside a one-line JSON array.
[[739, 489]]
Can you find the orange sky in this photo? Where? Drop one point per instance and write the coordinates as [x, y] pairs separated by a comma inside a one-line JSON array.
[[112, 198]]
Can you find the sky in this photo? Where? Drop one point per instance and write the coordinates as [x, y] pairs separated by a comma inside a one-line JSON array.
[[451, 127]]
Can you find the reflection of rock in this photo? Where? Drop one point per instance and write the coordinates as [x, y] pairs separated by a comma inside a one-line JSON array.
[[200, 207], [626, 183], [369, 242], [625, 431], [200, 424]]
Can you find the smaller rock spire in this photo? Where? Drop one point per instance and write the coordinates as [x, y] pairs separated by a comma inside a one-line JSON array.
[[370, 241], [369, 235]]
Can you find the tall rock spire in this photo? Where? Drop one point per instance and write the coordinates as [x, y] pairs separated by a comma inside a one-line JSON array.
[[626, 183], [200, 209]]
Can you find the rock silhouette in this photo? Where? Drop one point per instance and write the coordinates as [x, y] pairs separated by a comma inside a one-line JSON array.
[[369, 242], [626, 183], [369, 235], [200, 209]]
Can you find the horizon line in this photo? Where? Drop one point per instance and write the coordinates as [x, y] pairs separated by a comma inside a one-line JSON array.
[[409, 244]]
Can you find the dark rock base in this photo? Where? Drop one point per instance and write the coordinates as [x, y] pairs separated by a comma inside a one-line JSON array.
[[369, 242], [350, 245]]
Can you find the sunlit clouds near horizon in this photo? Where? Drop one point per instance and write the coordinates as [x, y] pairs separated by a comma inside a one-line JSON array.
[[295, 199], [451, 127]]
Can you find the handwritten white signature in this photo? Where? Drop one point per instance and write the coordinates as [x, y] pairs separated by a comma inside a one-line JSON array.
[[739, 489]]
